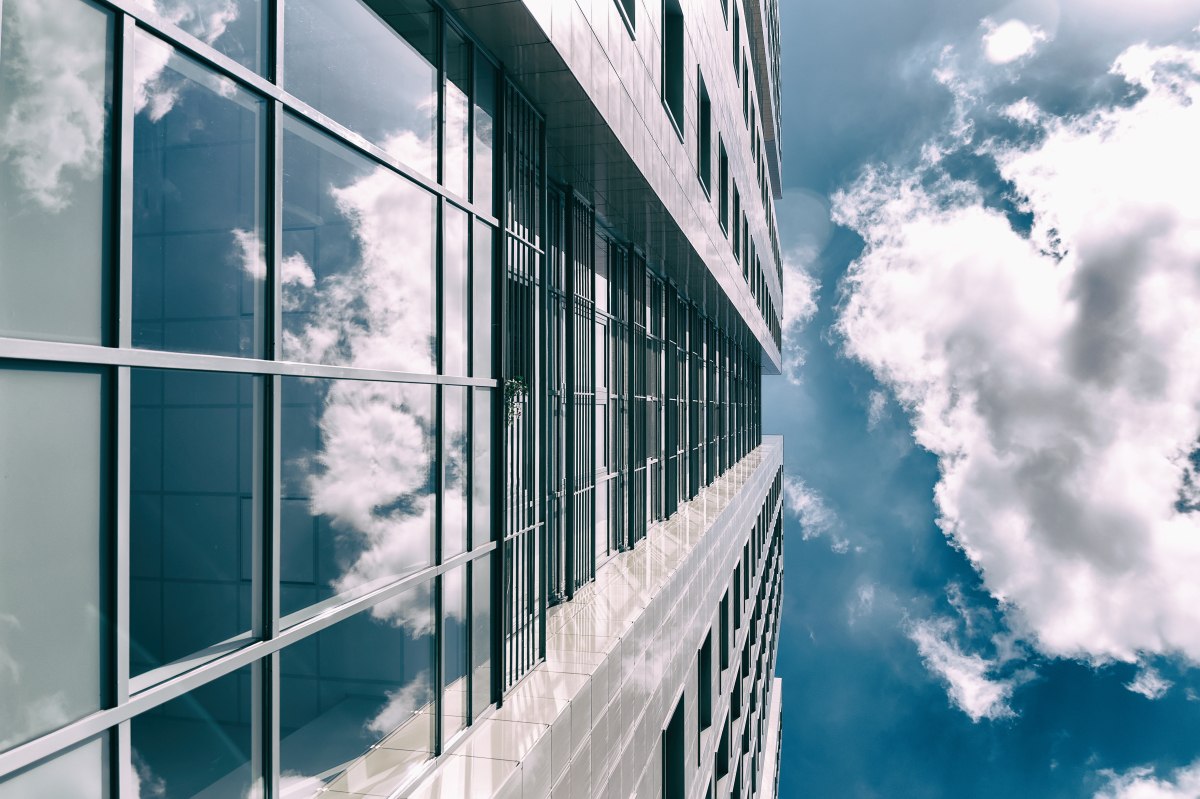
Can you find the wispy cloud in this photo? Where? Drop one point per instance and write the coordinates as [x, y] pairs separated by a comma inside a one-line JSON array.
[[816, 517], [970, 687], [1149, 683], [1054, 372]]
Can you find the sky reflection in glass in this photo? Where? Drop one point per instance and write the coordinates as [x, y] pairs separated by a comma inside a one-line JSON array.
[[377, 79], [55, 96], [198, 259], [356, 700], [358, 259], [358, 504]]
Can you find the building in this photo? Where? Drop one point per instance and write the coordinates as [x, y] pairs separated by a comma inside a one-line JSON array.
[[380, 389]]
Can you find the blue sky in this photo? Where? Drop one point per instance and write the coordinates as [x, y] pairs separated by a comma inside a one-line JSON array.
[[991, 399]]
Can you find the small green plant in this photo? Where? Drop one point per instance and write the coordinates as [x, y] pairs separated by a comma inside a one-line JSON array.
[[515, 390]]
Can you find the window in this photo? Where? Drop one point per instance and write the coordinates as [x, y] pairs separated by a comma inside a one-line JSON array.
[[725, 11], [627, 7], [746, 91], [705, 680], [737, 597], [722, 756], [672, 65], [723, 168], [724, 632], [703, 134], [737, 40], [674, 778], [737, 212]]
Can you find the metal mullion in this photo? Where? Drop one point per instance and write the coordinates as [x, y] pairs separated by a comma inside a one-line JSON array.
[[67, 352]]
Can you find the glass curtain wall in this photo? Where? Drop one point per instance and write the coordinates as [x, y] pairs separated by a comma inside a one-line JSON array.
[[248, 392]]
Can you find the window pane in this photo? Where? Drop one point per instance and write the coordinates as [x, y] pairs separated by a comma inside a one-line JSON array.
[[198, 263], [358, 502], [198, 742], [455, 292], [454, 696], [377, 79], [79, 773], [356, 706], [481, 301], [54, 177], [481, 634], [193, 490], [458, 131], [485, 115], [481, 467], [358, 259], [456, 455], [235, 28], [53, 501]]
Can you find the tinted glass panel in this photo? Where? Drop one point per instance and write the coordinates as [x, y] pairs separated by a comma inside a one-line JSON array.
[[358, 502], [371, 68], [456, 458], [485, 114], [458, 130], [455, 292], [481, 634], [481, 467], [193, 482], [358, 259], [198, 263], [454, 601], [199, 744], [356, 706], [54, 144], [481, 302], [53, 530], [79, 773], [235, 28]]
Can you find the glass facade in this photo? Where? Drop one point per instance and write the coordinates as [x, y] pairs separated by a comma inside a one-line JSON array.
[[317, 390], [252, 446]]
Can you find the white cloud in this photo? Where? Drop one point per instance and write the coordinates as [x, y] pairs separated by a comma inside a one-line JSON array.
[[1006, 43], [1140, 783], [1149, 683], [1056, 377], [876, 408], [800, 290], [970, 687], [816, 518]]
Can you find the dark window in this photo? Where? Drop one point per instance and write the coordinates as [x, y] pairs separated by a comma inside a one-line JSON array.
[[672, 66], [737, 597], [674, 778], [626, 7], [705, 693], [737, 40], [737, 212], [703, 134], [723, 169], [722, 765], [724, 632], [746, 91]]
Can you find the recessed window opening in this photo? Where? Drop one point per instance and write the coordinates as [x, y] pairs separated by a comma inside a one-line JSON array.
[[723, 169], [737, 41], [672, 65], [703, 134], [674, 778], [627, 7], [737, 212], [724, 631], [746, 91], [705, 680]]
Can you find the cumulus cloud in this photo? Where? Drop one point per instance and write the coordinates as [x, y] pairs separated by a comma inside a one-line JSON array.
[[969, 686], [1140, 783], [876, 408], [1055, 372], [1149, 683]]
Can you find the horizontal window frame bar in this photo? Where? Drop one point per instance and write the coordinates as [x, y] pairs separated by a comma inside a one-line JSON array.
[[195, 48], [19, 349], [55, 742]]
